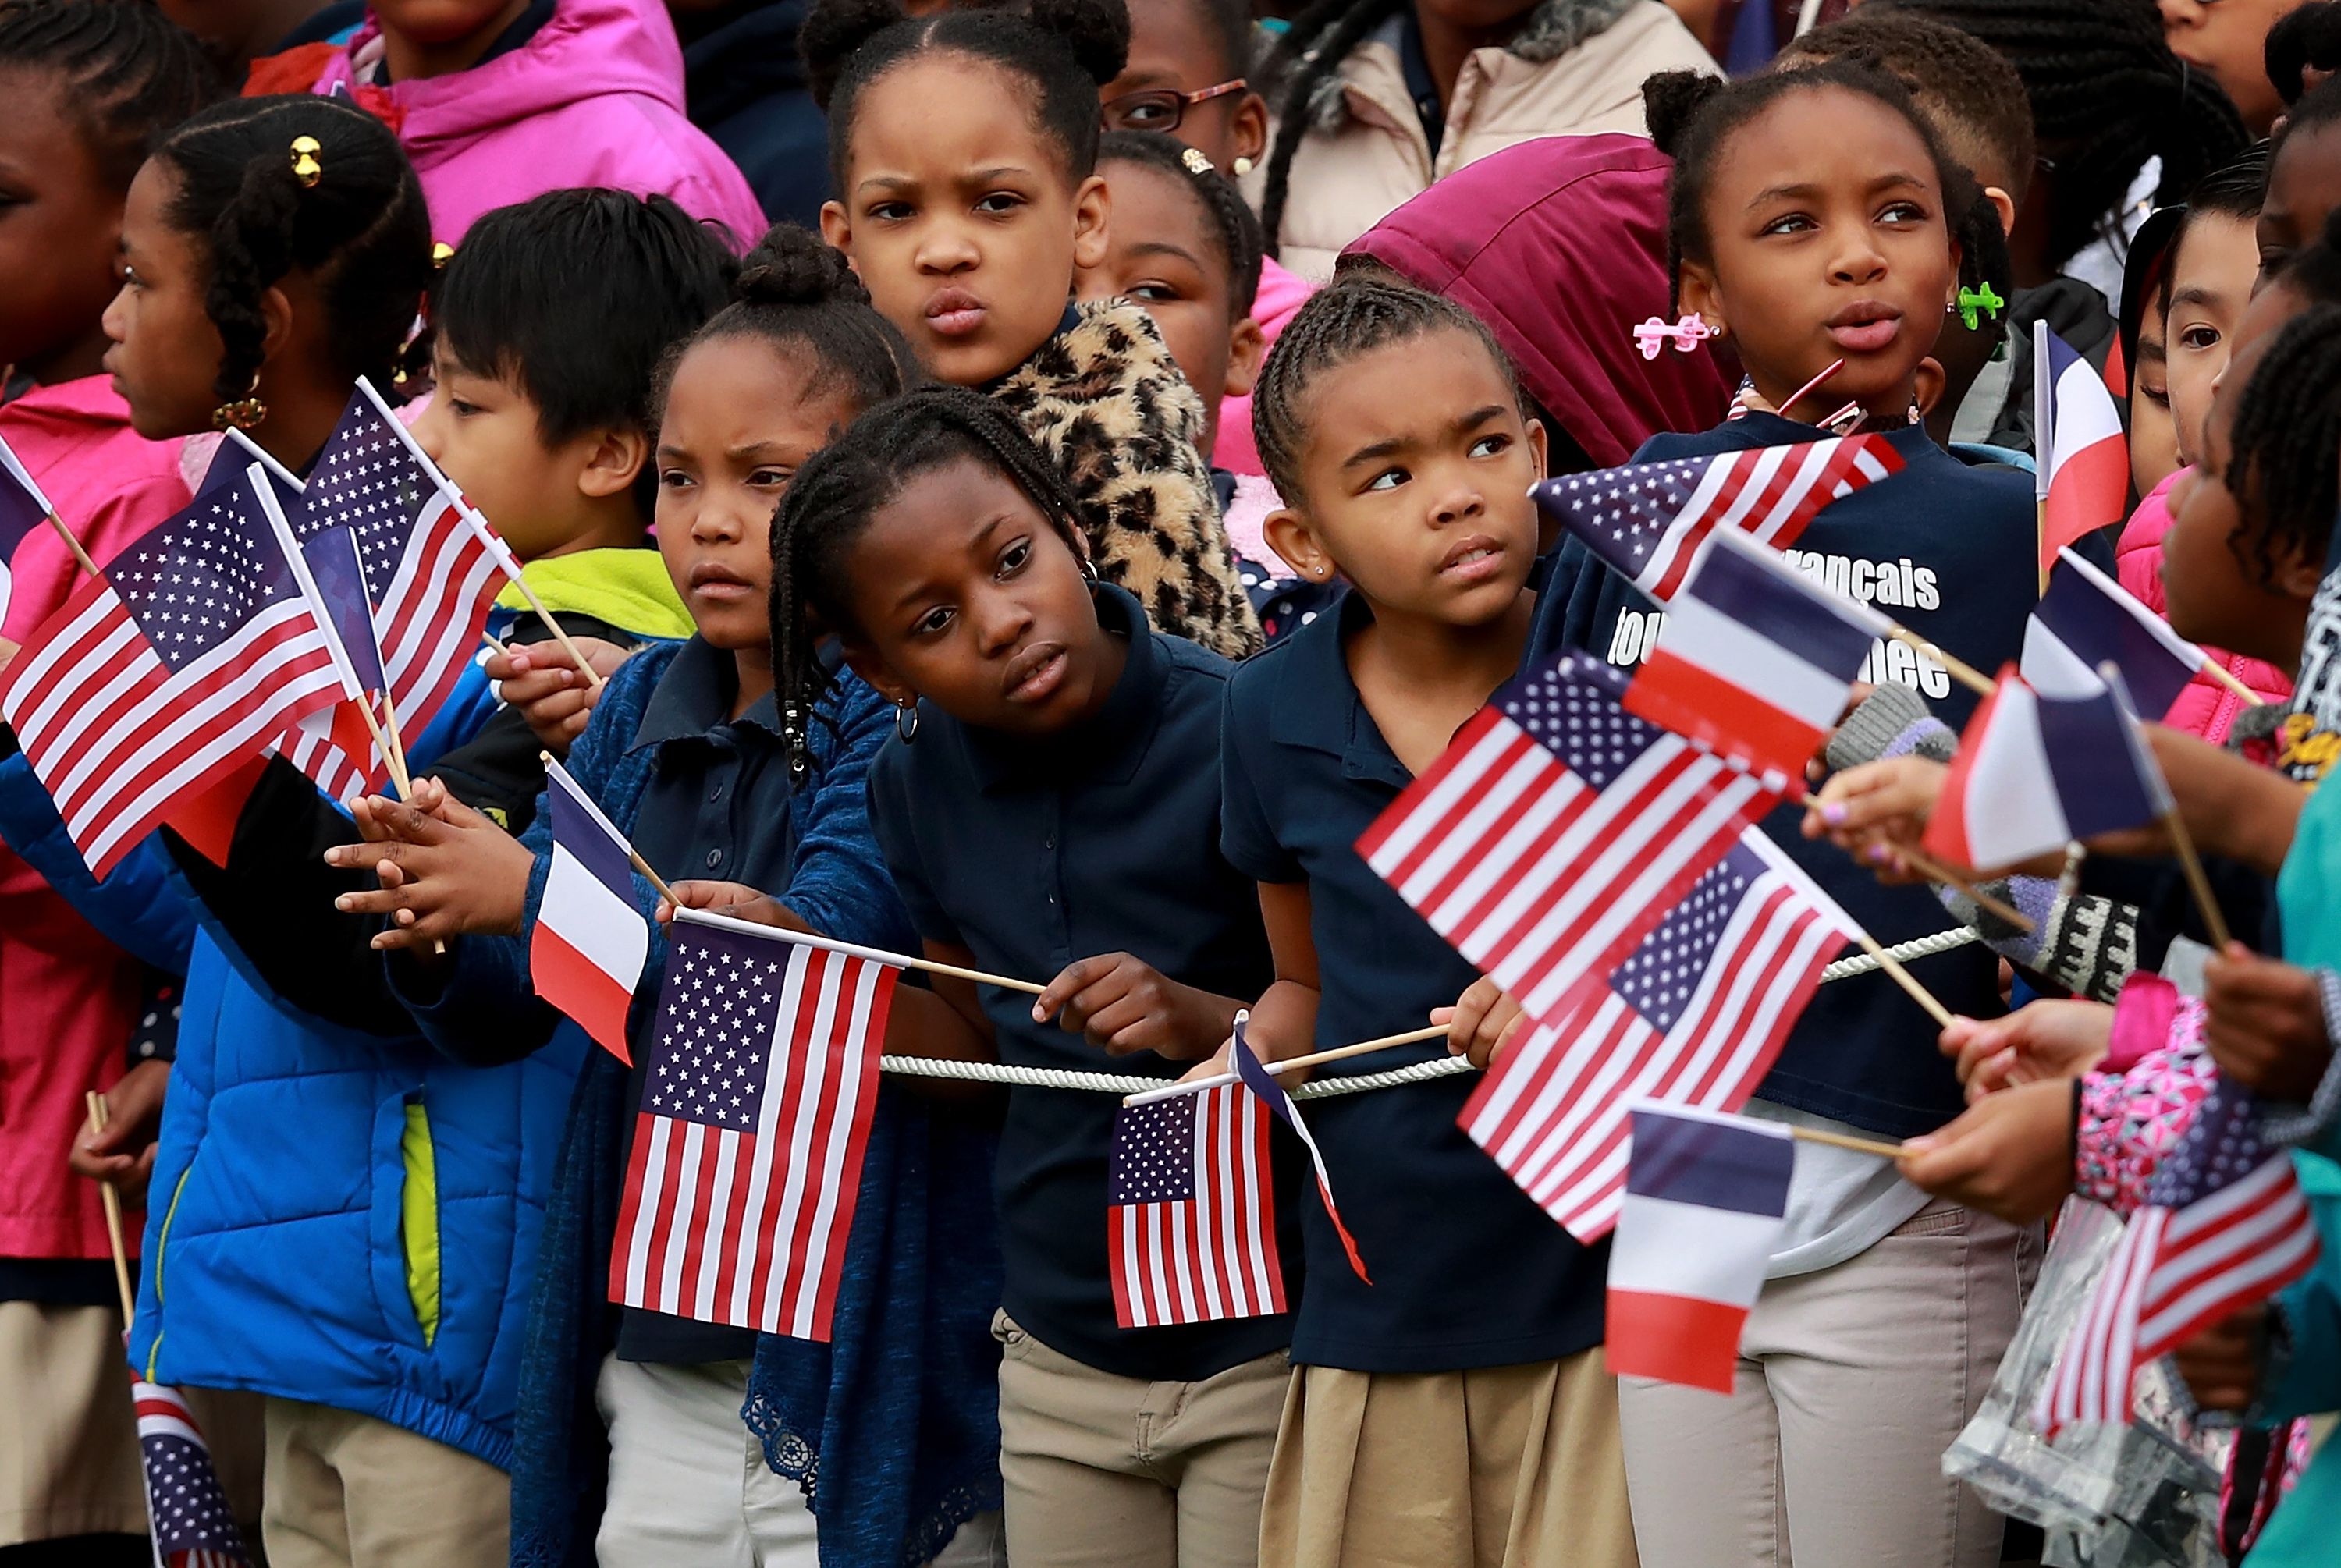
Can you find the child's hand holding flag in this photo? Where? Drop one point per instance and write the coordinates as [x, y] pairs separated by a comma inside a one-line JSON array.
[[445, 870]]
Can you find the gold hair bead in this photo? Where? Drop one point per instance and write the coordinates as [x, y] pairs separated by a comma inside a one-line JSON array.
[[442, 252], [306, 166], [1197, 164]]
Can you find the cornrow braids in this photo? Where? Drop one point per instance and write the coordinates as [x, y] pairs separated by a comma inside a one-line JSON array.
[[1065, 49], [359, 231], [1229, 221], [1357, 313], [1692, 117], [2288, 429], [129, 74], [2106, 94], [1307, 57], [834, 498]]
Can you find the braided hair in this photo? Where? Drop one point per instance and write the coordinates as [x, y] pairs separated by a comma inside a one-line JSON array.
[[1973, 94], [2106, 94], [834, 498], [1064, 49], [1307, 57], [1359, 312], [2288, 429], [1229, 221], [129, 74], [359, 232], [1692, 117]]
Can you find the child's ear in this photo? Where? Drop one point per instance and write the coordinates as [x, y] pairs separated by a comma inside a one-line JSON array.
[[2004, 205], [2298, 574], [275, 322], [614, 462], [835, 232], [1538, 443], [863, 661], [1090, 207], [1247, 346], [1695, 288], [1249, 132], [1289, 534]]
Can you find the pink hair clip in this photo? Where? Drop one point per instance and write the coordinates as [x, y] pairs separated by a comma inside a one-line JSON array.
[[1686, 334]]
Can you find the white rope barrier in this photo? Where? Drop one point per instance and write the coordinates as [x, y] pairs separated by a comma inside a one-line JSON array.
[[1345, 1084]]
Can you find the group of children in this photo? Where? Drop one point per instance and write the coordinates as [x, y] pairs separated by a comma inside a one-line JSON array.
[[1027, 572]]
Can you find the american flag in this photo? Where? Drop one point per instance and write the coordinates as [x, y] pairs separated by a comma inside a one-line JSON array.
[[1256, 1078], [2224, 1225], [192, 1522], [1694, 1017], [1190, 1215], [428, 565], [192, 648], [1556, 830], [1646, 521], [748, 1144]]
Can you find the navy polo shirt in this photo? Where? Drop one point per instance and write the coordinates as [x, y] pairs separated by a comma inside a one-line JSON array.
[[717, 808], [1032, 853], [1467, 1271]]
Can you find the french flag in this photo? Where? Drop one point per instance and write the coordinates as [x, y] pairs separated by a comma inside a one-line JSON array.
[[1757, 662], [2083, 477], [2086, 620], [590, 941], [1706, 1198], [2034, 772]]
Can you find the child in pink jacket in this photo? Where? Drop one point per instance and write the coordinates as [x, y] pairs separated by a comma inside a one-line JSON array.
[[2208, 707], [574, 93]]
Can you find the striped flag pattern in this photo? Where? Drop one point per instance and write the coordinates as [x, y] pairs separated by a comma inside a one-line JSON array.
[[2083, 478], [193, 648], [748, 1144], [1694, 1019], [1190, 1215], [192, 1525], [1261, 1083], [589, 944], [1556, 830], [1648, 521], [23, 509], [2225, 1225]]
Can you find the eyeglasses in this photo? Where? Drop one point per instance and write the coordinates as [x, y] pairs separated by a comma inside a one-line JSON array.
[[1160, 109]]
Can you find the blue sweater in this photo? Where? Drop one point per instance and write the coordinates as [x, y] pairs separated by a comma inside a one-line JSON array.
[[893, 1427]]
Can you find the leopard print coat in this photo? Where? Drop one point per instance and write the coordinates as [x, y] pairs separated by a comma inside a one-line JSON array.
[[1105, 402]]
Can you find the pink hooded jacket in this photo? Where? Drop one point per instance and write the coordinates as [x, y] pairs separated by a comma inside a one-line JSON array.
[[67, 996], [1282, 295], [595, 98], [2206, 707]]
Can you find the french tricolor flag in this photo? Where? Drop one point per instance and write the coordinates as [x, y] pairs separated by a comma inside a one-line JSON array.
[[2083, 478], [590, 941], [1706, 1194]]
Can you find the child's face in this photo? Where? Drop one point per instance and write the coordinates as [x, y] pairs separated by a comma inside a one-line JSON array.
[[1172, 48], [430, 21], [481, 428], [60, 226], [1415, 480], [2153, 439], [960, 217], [1828, 242], [2304, 188], [165, 349], [2229, 38], [2210, 283], [1160, 255], [741, 420], [964, 593]]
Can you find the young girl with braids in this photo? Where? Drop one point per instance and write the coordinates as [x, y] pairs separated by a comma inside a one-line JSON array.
[[964, 147], [1051, 809], [1378, 100], [1814, 217], [640, 1456]]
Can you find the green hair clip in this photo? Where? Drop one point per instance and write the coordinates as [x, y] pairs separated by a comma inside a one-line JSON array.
[[1978, 302]]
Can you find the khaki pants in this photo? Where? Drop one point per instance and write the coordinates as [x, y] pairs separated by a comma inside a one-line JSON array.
[[1852, 1381], [348, 1491], [1497, 1467], [688, 1480], [69, 1437], [1107, 1471]]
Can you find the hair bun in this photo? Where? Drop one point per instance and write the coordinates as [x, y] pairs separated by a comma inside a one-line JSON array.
[[1096, 31], [1671, 100], [833, 31], [794, 266]]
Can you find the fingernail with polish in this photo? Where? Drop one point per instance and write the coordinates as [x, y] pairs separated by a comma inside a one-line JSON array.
[[1834, 813]]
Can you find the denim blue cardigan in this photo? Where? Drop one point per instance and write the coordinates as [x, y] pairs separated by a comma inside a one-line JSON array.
[[892, 1428]]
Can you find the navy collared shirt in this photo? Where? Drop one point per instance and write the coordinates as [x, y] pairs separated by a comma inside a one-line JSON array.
[[1467, 1271], [1033, 853], [716, 808]]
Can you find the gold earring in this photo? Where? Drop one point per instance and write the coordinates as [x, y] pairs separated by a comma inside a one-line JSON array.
[[245, 412]]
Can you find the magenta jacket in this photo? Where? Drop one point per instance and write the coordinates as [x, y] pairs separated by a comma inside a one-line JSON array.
[[2206, 707], [595, 98]]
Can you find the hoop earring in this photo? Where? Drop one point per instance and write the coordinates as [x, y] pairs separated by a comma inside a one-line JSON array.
[[906, 720], [245, 412]]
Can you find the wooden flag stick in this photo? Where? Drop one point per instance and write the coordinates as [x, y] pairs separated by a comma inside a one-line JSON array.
[[2213, 922], [2225, 677], [1966, 674], [1936, 871], [497, 643], [81, 556], [632, 854], [853, 949], [1904, 979], [1840, 1141], [398, 753], [96, 1103], [395, 759], [1171, 1091]]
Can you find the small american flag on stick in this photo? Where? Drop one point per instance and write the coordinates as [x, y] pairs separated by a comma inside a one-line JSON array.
[[748, 1144], [1191, 1216], [192, 1525]]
